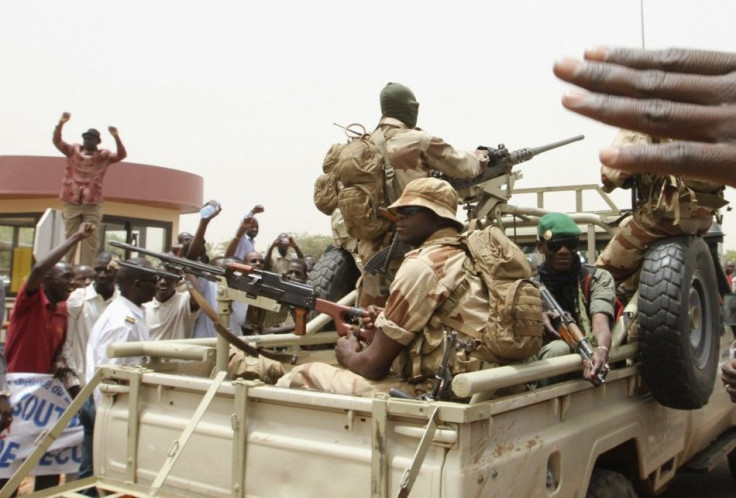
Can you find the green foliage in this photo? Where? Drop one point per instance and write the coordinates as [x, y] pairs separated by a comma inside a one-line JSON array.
[[216, 250], [729, 256], [312, 245]]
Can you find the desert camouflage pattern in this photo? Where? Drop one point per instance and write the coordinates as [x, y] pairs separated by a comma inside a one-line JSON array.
[[412, 154], [668, 206], [243, 366], [423, 283], [330, 379]]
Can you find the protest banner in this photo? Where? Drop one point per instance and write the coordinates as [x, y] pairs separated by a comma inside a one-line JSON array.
[[38, 401]]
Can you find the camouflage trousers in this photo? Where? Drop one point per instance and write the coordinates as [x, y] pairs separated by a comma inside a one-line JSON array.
[[624, 254], [326, 378]]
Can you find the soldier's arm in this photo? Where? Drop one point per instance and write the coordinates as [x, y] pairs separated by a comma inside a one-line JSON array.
[[372, 362], [444, 157]]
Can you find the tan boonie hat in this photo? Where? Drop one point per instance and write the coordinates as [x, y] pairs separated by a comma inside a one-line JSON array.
[[436, 195]]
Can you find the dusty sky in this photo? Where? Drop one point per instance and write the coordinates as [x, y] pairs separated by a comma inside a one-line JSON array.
[[245, 93]]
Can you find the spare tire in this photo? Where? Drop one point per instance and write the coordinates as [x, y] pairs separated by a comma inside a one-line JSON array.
[[679, 324], [334, 275]]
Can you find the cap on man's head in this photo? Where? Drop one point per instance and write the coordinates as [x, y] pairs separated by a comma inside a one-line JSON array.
[[556, 226], [431, 193], [92, 134], [398, 101]]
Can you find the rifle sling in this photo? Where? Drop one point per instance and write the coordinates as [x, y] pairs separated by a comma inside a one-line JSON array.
[[235, 340]]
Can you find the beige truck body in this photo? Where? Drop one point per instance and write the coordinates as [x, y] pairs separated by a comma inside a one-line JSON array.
[[258, 440]]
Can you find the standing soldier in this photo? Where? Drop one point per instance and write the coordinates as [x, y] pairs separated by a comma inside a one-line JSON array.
[[81, 188]]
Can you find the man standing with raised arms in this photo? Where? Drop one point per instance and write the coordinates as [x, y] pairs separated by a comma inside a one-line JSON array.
[[81, 188]]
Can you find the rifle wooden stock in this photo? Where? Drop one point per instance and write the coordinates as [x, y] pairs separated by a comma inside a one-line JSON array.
[[339, 314], [569, 330]]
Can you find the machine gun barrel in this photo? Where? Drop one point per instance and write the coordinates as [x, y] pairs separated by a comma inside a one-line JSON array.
[[502, 161]]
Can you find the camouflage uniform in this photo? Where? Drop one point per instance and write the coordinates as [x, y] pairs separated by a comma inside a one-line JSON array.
[[412, 153], [667, 206], [425, 280], [423, 291]]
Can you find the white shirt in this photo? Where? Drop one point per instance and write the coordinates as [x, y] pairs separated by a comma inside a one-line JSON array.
[[203, 326], [122, 321], [172, 319], [84, 307]]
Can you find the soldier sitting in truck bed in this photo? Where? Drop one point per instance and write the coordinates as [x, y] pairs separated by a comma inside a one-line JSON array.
[[588, 295], [408, 329]]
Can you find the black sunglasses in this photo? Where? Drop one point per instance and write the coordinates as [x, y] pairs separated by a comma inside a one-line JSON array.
[[556, 245], [408, 210]]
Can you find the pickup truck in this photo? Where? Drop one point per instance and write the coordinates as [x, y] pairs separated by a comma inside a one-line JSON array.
[[164, 430], [177, 427]]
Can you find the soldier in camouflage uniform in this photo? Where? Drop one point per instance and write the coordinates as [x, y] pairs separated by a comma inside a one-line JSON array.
[[408, 332], [565, 277], [412, 153], [667, 206]]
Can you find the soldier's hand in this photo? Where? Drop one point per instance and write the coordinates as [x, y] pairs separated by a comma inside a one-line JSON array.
[[257, 209], [345, 347], [372, 312], [6, 413], [686, 95], [549, 329], [113, 131], [86, 229], [64, 117], [728, 376], [597, 365]]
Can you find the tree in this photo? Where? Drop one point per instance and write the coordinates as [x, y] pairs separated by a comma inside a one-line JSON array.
[[728, 256], [312, 245]]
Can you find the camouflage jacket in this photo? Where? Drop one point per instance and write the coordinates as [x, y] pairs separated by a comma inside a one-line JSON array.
[[663, 196], [412, 153], [423, 283]]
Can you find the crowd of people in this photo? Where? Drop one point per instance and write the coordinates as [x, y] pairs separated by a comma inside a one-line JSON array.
[[677, 149]]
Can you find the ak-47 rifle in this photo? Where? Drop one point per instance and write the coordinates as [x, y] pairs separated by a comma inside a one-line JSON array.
[[262, 289], [570, 332]]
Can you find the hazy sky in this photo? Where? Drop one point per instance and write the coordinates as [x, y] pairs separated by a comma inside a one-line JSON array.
[[245, 93]]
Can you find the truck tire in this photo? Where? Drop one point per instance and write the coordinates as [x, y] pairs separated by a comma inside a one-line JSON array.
[[679, 322], [606, 483], [334, 275]]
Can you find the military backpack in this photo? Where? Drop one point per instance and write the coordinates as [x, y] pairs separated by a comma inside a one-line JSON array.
[[514, 329], [357, 179]]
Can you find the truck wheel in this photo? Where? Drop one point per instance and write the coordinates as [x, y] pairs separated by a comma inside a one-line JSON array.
[[606, 483], [679, 322], [334, 275]]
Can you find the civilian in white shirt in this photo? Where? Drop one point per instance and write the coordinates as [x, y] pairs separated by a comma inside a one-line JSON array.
[[171, 314], [122, 321], [85, 305]]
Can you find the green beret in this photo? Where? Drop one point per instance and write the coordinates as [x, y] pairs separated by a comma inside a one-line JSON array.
[[555, 226]]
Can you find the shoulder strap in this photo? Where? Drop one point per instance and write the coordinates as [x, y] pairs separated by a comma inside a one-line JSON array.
[[442, 313], [388, 170]]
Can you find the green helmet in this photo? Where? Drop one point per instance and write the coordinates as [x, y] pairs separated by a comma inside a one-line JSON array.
[[398, 101]]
